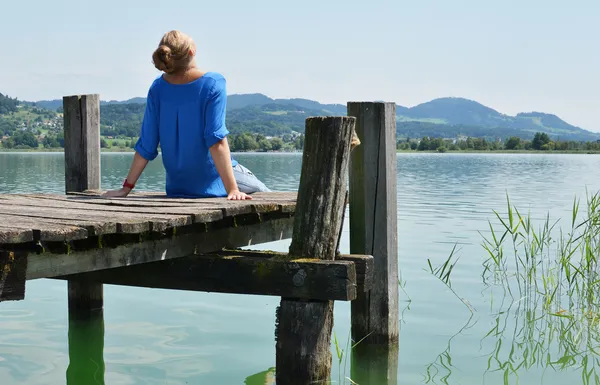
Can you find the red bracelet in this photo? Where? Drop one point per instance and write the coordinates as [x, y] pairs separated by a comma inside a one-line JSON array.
[[128, 185]]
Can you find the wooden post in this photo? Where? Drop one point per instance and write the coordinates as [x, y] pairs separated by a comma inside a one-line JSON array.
[[13, 269], [303, 331], [373, 220], [82, 172]]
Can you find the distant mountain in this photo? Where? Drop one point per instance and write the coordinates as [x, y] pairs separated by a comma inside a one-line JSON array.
[[443, 117], [456, 112]]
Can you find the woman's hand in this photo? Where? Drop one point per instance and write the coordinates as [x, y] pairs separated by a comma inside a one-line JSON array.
[[122, 193], [237, 195]]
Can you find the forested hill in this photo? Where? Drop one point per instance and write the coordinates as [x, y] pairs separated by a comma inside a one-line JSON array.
[[443, 117]]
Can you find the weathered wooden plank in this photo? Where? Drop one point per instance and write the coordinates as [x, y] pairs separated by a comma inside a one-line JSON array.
[[373, 220], [304, 328], [47, 265], [155, 218], [44, 230], [82, 142], [8, 234], [274, 196], [122, 222], [201, 213], [13, 267], [93, 224], [258, 204], [237, 274], [363, 263]]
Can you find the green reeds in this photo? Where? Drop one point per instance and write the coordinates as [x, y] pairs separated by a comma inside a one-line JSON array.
[[551, 279], [560, 274]]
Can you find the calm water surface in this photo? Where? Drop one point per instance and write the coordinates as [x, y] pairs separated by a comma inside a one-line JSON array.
[[173, 337]]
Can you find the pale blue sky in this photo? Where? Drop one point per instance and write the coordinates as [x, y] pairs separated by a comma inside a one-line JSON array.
[[514, 56]]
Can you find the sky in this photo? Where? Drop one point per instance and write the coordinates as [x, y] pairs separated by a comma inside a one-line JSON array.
[[511, 55]]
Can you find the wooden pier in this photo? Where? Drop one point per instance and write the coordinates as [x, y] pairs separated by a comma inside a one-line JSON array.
[[150, 240]]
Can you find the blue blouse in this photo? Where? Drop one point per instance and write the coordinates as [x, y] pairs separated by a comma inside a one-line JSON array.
[[186, 119]]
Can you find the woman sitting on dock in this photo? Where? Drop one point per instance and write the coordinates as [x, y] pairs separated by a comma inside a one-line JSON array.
[[185, 114]]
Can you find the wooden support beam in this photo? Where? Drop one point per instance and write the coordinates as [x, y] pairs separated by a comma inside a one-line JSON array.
[[82, 172], [303, 330], [13, 267], [254, 273], [373, 220], [363, 263], [49, 265]]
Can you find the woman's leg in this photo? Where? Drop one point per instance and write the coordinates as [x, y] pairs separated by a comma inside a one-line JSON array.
[[247, 182]]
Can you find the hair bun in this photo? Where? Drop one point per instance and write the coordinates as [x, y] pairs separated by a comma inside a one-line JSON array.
[[163, 59]]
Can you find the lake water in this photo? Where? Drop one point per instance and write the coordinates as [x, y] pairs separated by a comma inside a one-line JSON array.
[[172, 337]]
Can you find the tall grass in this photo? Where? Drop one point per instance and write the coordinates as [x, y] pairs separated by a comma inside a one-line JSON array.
[[558, 272], [551, 279]]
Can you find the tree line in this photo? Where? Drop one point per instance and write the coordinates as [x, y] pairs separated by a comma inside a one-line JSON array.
[[244, 142], [540, 142]]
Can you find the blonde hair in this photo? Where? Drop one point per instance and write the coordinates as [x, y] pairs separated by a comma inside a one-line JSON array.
[[173, 52]]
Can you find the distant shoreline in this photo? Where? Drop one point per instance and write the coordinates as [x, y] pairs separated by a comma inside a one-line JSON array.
[[130, 150], [556, 152], [124, 150]]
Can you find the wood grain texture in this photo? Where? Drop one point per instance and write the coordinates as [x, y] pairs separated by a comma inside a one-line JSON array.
[[322, 188], [257, 274], [82, 142], [173, 215], [373, 220], [45, 229], [304, 328], [10, 235], [54, 218]]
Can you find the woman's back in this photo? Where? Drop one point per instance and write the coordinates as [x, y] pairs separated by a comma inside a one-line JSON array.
[[185, 115], [186, 119]]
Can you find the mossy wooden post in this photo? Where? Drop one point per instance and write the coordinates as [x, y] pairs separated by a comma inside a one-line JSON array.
[[373, 220], [304, 327], [82, 172]]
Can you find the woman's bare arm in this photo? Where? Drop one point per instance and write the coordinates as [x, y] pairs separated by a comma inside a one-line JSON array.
[[137, 167], [222, 159]]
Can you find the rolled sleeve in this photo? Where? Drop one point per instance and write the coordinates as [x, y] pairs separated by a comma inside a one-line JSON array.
[[147, 144], [216, 129]]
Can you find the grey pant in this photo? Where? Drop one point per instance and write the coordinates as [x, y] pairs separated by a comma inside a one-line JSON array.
[[247, 182]]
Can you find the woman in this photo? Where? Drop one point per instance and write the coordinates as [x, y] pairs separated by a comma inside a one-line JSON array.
[[185, 113]]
